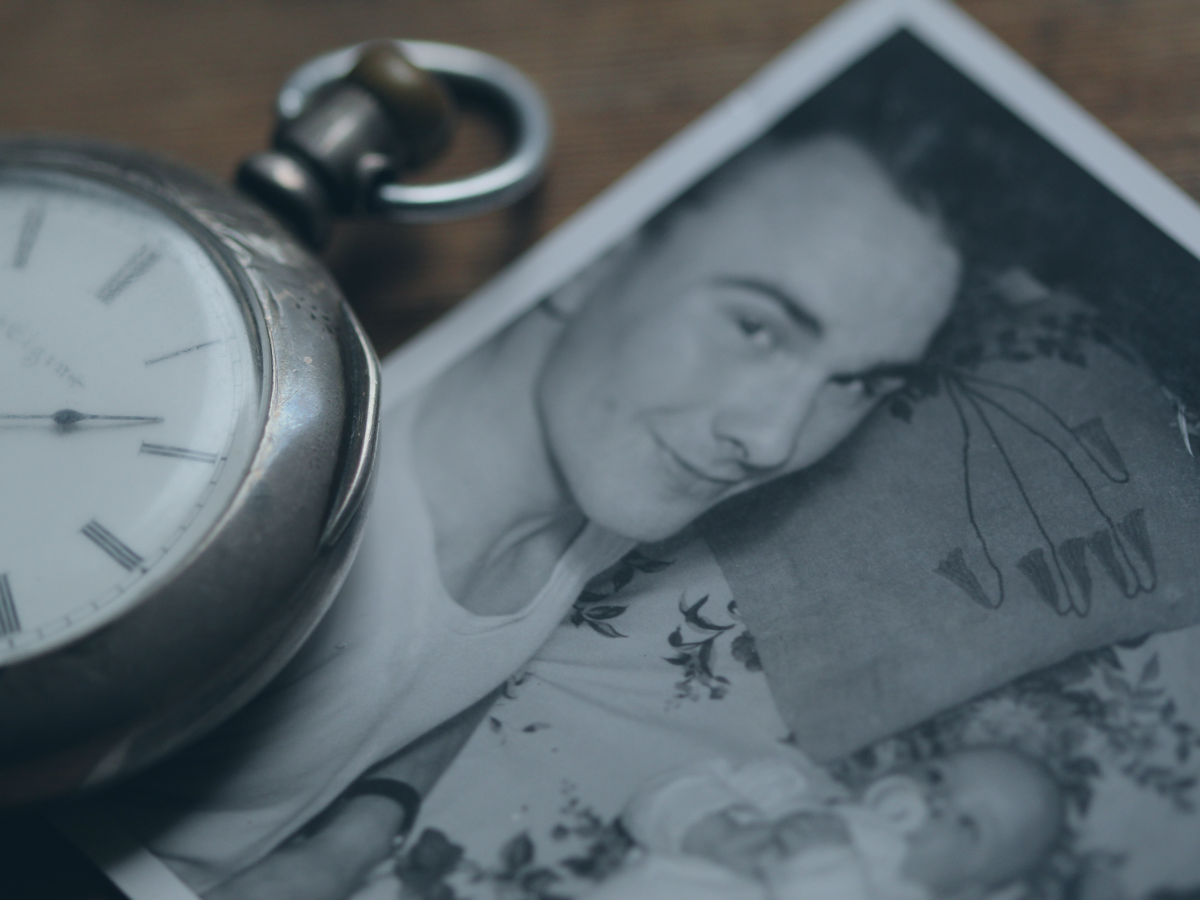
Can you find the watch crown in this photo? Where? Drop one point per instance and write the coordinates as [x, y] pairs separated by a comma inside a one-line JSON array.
[[288, 188], [383, 116]]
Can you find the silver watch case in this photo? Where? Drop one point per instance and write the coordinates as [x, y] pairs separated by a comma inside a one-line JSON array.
[[237, 607]]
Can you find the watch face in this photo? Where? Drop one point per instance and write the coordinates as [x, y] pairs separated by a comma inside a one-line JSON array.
[[130, 402]]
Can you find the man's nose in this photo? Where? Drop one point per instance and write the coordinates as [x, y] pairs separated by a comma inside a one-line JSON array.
[[762, 428]]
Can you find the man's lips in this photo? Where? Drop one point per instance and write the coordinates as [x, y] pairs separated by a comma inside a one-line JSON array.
[[693, 470]]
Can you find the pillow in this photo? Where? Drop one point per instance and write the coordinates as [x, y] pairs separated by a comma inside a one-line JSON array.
[[1028, 497]]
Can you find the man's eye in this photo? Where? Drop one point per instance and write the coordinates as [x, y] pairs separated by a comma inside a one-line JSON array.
[[754, 329], [862, 387], [870, 387]]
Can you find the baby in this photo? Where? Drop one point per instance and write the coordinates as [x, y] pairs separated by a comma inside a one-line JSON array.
[[965, 826]]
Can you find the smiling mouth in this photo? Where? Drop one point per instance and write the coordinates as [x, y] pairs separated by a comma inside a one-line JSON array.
[[681, 465]]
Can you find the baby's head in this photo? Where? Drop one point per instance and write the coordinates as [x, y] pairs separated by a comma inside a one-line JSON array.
[[976, 821]]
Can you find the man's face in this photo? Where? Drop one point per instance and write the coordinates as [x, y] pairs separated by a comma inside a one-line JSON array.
[[745, 342]]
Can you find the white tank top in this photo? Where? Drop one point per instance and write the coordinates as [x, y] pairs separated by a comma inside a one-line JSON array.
[[394, 657]]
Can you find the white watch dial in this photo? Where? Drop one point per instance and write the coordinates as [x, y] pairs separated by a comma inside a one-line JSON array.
[[130, 405]]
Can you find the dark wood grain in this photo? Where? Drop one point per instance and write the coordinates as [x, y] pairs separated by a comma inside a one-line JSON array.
[[195, 79]]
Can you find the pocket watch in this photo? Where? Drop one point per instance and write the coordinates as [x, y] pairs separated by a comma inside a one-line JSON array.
[[188, 407]]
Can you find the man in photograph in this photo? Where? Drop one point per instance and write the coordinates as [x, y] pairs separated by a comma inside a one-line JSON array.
[[740, 336]]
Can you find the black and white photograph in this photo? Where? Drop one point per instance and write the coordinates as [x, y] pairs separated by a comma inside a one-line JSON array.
[[815, 515]]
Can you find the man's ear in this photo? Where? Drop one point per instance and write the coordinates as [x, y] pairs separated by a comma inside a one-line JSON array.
[[569, 298]]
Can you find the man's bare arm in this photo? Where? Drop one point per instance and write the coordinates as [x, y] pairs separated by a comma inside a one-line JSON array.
[[332, 856]]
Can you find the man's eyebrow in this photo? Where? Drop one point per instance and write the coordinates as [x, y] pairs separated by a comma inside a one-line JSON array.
[[791, 305]]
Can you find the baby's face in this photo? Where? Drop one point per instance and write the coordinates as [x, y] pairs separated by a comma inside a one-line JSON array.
[[989, 816]]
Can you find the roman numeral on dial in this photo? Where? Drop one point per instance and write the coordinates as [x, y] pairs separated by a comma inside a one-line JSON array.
[[31, 226], [10, 622], [135, 267], [178, 453], [111, 544], [176, 353]]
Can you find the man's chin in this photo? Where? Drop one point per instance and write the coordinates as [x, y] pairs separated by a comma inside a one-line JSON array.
[[642, 526]]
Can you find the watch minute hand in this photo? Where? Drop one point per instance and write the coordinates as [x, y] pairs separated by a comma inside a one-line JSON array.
[[68, 417]]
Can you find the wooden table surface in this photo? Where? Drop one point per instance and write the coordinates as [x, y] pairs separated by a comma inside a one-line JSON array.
[[196, 78]]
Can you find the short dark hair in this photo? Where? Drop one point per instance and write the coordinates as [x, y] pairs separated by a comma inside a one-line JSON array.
[[1005, 196]]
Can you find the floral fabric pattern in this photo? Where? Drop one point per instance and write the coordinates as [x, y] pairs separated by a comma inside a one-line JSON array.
[[635, 682]]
